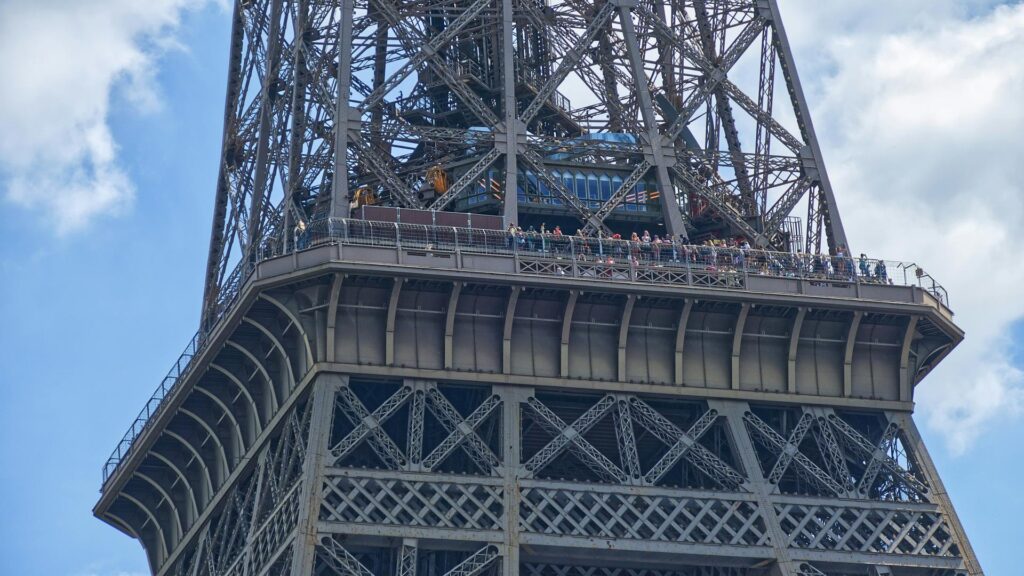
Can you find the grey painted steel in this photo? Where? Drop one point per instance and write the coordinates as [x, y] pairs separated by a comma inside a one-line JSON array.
[[324, 99], [379, 406], [742, 517]]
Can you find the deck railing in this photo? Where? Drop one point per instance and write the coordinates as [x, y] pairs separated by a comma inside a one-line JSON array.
[[543, 254]]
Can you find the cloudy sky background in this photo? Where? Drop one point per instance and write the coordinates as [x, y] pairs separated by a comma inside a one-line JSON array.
[[110, 116]]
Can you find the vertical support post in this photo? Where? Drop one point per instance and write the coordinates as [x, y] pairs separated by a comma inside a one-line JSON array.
[[627, 313], [324, 390], [265, 131], [835, 224], [510, 207], [654, 151], [298, 116], [512, 397], [332, 315], [684, 319], [339, 192], [449, 324], [570, 306], [937, 491], [389, 334], [506, 332], [407, 557], [733, 412], [737, 344], [794, 344], [906, 386], [851, 338]]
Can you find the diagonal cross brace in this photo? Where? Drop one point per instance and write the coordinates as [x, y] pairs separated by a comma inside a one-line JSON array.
[[571, 438], [787, 451], [878, 458], [569, 61], [466, 179], [340, 560], [426, 52], [368, 426], [684, 445], [476, 563], [461, 432]]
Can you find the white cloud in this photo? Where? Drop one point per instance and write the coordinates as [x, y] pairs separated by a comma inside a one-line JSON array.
[[918, 110], [63, 62]]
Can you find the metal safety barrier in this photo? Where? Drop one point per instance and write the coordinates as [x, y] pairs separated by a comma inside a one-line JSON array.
[[544, 254]]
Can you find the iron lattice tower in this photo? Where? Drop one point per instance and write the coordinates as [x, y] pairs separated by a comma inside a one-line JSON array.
[[407, 390]]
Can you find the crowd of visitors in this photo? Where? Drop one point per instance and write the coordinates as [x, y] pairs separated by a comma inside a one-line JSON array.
[[716, 254], [721, 255]]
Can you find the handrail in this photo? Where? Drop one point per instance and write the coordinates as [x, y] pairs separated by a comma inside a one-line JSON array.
[[613, 259]]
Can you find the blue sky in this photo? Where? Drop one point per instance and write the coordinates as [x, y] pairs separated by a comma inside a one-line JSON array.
[[98, 303]]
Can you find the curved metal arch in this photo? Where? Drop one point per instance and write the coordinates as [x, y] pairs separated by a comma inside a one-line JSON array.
[[123, 524], [295, 320], [184, 479], [275, 401], [277, 344], [199, 458], [213, 435], [162, 539], [166, 496], [245, 391], [231, 416]]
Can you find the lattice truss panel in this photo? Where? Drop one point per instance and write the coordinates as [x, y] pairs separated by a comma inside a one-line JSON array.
[[819, 452], [426, 464], [700, 97], [422, 455], [255, 526]]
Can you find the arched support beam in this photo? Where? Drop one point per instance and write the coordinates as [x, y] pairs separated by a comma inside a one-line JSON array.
[[737, 344], [268, 382], [332, 315], [122, 524], [162, 544], [570, 306], [906, 394], [627, 314], [256, 419], [449, 324], [389, 334], [236, 436], [794, 343], [298, 325], [175, 512], [198, 458], [684, 319], [851, 339], [277, 344], [193, 510], [224, 466], [506, 330]]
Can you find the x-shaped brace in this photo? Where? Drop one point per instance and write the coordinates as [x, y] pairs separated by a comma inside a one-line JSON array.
[[878, 457], [368, 427], [571, 438], [684, 445], [461, 432], [788, 451]]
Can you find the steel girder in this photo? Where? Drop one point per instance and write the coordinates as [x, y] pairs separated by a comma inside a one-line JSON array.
[[326, 97]]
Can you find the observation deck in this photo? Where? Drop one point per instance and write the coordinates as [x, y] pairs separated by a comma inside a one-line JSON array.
[[439, 303]]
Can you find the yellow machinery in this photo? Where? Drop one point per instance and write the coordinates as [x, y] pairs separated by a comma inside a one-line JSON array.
[[438, 178], [363, 196]]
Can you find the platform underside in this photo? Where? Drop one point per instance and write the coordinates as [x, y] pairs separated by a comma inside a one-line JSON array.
[[393, 421]]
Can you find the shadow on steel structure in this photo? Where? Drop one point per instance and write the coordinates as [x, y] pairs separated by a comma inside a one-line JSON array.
[[354, 408]]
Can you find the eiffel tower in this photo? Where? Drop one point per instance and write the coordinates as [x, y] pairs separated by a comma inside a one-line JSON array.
[[538, 288]]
